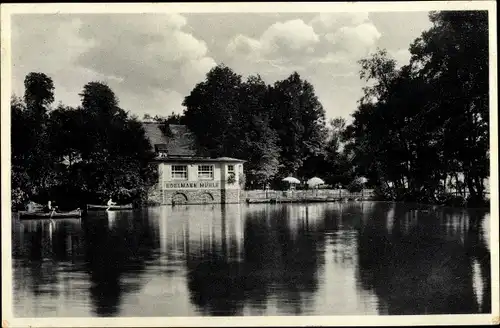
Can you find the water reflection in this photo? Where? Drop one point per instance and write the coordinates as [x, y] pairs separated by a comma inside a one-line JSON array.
[[278, 262], [316, 259], [423, 265]]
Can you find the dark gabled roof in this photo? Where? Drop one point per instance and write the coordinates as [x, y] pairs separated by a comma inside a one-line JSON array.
[[181, 142], [197, 159]]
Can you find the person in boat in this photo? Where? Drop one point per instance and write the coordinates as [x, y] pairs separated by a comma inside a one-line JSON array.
[[50, 207], [110, 203]]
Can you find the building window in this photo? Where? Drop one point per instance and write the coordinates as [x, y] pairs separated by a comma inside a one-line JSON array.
[[205, 172], [161, 150], [179, 172], [230, 169]]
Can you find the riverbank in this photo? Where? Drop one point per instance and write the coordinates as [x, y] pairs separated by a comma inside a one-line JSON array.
[[302, 200], [304, 196], [343, 195]]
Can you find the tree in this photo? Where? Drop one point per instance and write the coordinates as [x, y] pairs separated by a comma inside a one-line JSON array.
[[77, 155], [174, 118], [98, 98], [279, 130], [452, 56], [66, 133], [391, 136], [257, 141], [299, 119], [34, 157], [39, 93], [21, 145], [211, 110], [336, 168], [419, 125], [115, 151], [231, 118]]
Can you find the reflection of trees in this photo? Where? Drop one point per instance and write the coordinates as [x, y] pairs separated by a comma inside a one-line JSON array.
[[110, 254], [279, 257], [476, 246], [110, 246], [272, 255], [215, 282], [415, 269], [36, 242]]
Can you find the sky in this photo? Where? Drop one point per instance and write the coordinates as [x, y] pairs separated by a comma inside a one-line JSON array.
[[152, 61]]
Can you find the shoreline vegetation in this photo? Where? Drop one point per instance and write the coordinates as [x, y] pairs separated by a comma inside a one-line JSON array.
[[420, 133]]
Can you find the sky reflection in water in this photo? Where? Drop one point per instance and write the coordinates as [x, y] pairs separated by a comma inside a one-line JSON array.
[[316, 259]]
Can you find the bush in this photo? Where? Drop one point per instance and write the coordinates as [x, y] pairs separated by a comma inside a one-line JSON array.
[[477, 202], [452, 200], [231, 178], [242, 180], [355, 186]]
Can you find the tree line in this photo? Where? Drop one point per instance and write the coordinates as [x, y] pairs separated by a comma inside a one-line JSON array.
[[424, 127], [76, 155], [279, 129], [418, 129]]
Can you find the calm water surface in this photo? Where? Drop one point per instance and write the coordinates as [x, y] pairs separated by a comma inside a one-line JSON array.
[[316, 259]]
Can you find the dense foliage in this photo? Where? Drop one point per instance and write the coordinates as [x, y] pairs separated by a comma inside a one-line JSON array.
[[76, 155], [424, 127], [279, 130], [419, 130]]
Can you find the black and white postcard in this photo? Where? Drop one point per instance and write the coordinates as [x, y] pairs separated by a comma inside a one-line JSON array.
[[249, 164]]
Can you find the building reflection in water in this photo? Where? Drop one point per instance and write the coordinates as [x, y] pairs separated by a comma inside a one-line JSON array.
[[270, 259], [242, 262]]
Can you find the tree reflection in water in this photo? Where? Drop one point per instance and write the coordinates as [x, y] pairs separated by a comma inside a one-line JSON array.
[[276, 259], [282, 259], [418, 268], [114, 247]]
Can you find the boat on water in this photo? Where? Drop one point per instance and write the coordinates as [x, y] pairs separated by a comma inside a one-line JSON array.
[[111, 208], [50, 215]]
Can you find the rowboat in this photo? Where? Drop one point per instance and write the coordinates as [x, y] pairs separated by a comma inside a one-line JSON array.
[[111, 208], [50, 215]]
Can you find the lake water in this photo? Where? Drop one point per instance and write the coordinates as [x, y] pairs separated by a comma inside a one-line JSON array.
[[270, 259]]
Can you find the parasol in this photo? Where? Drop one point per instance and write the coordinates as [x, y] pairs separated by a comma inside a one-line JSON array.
[[313, 182], [291, 180]]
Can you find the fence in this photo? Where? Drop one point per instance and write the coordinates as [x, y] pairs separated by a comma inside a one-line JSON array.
[[305, 194]]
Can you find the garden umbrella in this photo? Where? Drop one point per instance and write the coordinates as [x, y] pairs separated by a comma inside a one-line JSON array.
[[313, 182], [291, 180]]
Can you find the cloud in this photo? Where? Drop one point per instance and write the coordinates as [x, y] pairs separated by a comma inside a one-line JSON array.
[[146, 52], [324, 50], [152, 61], [49, 44], [357, 40], [333, 21], [330, 37], [292, 39], [292, 35], [137, 55], [245, 46]]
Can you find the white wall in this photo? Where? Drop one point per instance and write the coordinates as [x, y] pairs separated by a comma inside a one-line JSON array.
[[220, 173]]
